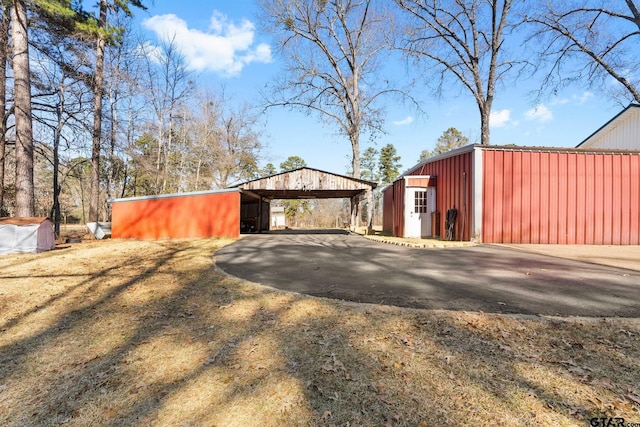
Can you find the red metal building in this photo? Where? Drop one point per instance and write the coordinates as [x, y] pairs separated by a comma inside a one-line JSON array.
[[226, 213], [199, 214], [520, 195]]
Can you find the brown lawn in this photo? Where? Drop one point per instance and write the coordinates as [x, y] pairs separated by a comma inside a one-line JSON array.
[[119, 333]]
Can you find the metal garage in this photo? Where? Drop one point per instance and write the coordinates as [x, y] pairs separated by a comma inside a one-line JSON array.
[[521, 195], [227, 213]]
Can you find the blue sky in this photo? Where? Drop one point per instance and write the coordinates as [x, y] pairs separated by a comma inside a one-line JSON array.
[[224, 47]]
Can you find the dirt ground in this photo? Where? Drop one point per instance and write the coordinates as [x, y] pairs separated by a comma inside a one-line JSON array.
[[124, 332]]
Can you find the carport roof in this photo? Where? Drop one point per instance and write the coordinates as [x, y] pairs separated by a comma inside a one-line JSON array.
[[306, 183]]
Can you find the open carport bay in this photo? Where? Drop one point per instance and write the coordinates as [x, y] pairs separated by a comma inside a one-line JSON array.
[[486, 278]]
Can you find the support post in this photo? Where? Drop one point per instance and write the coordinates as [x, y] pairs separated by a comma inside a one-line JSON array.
[[370, 211], [260, 215], [354, 213]]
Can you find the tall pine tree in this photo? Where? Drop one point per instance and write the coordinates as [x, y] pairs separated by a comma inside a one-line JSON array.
[[104, 33]]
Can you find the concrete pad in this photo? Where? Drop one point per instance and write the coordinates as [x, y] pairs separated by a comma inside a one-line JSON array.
[[616, 256]]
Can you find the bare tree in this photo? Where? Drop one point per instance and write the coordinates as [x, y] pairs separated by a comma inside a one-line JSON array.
[[123, 91], [102, 33], [590, 41], [463, 39], [59, 103], [170, 85], [238, 148], [334, 50], [224, 140]]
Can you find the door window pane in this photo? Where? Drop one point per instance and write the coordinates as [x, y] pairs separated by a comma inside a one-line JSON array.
[[420, 202]]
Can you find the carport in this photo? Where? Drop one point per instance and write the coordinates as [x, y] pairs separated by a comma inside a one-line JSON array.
[[301, 183], [226, 213]]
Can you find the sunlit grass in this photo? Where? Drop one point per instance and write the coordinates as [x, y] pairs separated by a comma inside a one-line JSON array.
[[150, 333]]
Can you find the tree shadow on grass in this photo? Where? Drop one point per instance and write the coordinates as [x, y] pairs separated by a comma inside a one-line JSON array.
[[168, 340]]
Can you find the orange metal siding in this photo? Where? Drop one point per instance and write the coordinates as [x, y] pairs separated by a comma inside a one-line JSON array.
[[561, 197], [180, 216], [453, 190]]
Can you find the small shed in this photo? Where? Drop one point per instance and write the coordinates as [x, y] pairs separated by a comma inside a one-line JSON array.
[[278, 219], [28, 235]]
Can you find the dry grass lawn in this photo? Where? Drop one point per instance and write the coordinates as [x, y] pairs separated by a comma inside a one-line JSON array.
[[117, 333]]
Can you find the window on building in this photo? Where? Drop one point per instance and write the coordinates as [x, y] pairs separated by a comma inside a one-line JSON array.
[[421, 202]]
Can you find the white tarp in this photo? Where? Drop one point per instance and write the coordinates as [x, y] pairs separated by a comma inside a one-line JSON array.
[[100, 230], [26, 235]]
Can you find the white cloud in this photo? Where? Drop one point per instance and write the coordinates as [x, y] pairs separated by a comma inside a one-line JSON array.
[[406, 121], [150, 51], [225, 48], [539, 113], [499, 119], [583, 98]]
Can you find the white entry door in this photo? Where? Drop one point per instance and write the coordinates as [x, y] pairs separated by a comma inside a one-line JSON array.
[[419, 204]]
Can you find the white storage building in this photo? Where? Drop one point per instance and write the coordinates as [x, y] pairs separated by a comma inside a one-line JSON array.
[[26, 235]]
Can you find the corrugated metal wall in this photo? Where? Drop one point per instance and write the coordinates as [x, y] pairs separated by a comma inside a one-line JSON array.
[[393, 208], [453, 190], [179, 216], [387, 209], [398, 207], [561, 197]]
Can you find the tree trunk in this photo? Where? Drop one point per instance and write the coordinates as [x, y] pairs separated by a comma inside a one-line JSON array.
[[56, 163], [355, 165], [166, 155], [98, 86], [159, 158], [111, 172], [198, 173], [485, 113], [25, 203], [4, 55]]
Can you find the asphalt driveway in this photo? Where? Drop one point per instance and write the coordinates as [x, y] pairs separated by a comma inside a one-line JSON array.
[[487, 278]]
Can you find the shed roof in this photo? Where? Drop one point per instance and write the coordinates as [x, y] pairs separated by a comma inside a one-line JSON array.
[[14, 220], [306, 183], [168, 196]]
